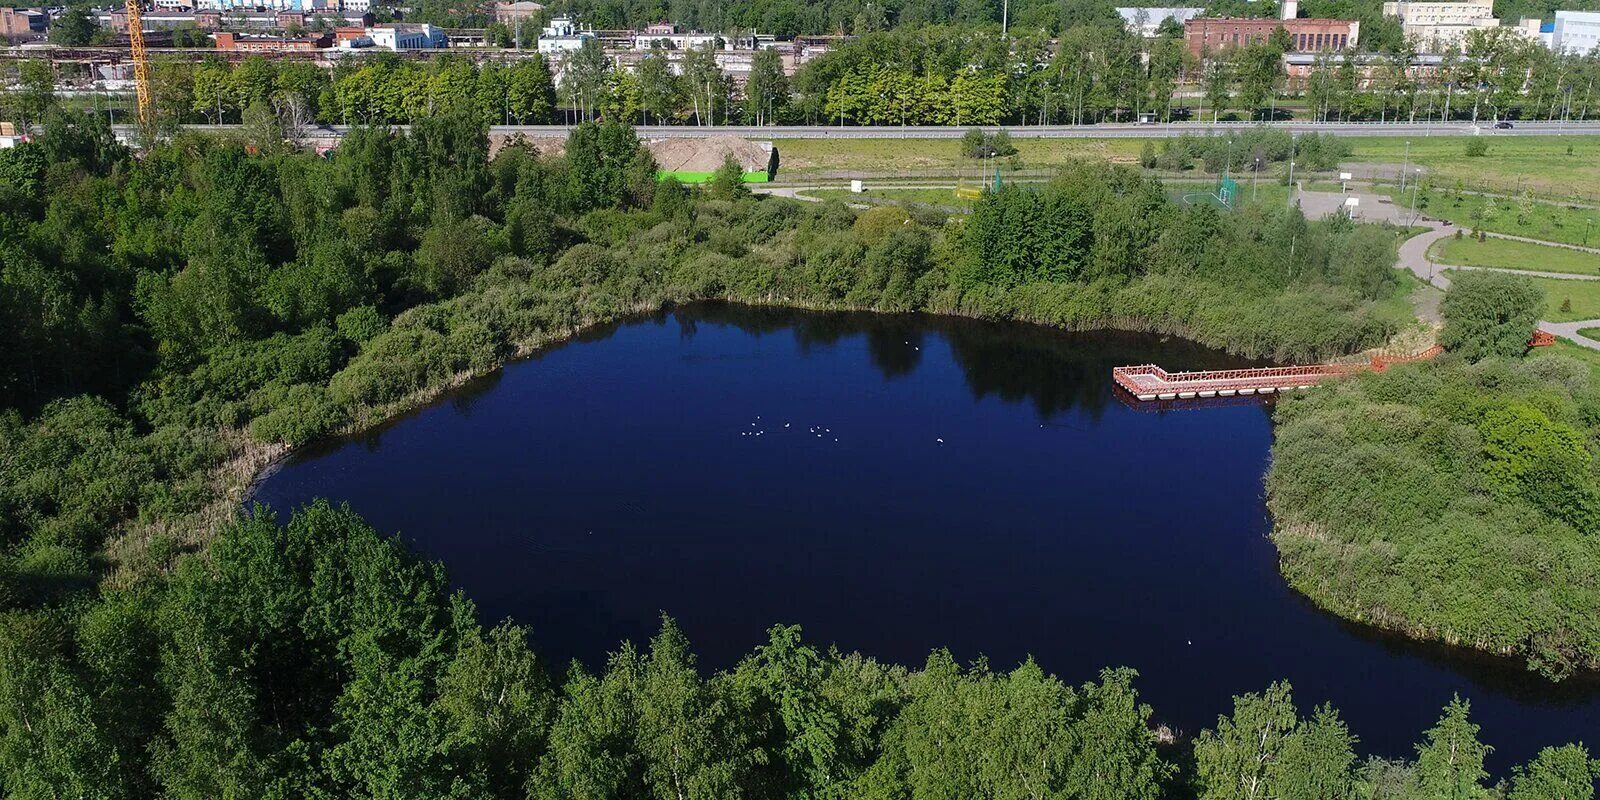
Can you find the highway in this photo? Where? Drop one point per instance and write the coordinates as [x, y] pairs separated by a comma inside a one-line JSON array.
[[1102, 131]]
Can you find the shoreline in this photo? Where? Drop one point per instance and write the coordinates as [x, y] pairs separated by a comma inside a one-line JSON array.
[[237, 497]]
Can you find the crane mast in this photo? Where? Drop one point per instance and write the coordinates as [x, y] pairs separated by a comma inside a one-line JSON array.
[[141, 65]]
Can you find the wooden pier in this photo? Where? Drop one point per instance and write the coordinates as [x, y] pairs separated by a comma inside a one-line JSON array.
[[1150, 382]]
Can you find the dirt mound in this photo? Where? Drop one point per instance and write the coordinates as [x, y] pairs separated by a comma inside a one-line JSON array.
[[706, 154]]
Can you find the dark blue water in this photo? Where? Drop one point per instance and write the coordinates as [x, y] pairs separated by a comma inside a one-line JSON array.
[[738, 468]]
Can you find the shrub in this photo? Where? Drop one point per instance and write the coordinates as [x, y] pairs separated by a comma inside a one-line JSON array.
[[1477, 147], [727, 183], [1489, 314]]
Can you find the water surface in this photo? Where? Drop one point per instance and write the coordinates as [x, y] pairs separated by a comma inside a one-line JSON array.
[[894, 484]]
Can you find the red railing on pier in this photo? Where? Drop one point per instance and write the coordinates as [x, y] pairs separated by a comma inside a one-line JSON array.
[[1150, 382]]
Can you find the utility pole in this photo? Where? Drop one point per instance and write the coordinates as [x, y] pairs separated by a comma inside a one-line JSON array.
[[1416, 187], [1292, 143], [1405, 167]]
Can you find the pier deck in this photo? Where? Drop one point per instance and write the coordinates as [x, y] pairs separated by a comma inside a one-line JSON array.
[[1150, 382]]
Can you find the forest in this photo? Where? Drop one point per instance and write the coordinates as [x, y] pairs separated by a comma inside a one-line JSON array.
[[170, 322]]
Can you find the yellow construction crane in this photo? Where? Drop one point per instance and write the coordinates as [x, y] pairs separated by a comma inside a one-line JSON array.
[[141, 65]]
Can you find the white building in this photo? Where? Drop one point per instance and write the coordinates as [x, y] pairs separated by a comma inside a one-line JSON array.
[[1576, 32], [253, 5], [355, 6], [562, 36], [1146, 21], [1439, 25], [408, 36], [665, 35]]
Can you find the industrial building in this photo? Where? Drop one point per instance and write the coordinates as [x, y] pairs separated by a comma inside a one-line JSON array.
[[1576, 32], [23, 24], [408, 36], [1217, 34]]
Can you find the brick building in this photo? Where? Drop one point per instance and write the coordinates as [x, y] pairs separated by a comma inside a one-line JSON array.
[[22, 24], [1216, 34], [270, 44]]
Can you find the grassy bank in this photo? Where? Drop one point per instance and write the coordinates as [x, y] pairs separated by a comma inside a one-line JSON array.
[[1511, 254]]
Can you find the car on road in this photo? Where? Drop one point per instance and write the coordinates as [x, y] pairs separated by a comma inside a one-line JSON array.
[[1504, 125]]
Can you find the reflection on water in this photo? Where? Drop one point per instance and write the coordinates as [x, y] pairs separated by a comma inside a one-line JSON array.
[[917, 482]]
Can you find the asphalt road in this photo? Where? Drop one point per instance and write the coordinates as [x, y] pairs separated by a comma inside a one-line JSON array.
[[1104, 131]]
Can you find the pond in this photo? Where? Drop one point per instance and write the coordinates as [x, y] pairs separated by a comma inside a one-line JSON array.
[[895, 484]]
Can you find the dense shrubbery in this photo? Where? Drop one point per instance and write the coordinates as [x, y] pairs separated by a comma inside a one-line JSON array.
[[1251, 148], [209, 296], [1450, 501], [1489, 314]]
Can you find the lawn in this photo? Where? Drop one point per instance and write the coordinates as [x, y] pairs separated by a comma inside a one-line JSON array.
[[808, 158], [1548, 221], [1539, 163], [1508, 254], [1584, 297]]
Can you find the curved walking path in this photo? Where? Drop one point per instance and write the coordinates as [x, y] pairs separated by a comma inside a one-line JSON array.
[[1414, 256]]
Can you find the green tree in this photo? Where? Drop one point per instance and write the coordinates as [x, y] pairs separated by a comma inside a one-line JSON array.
[[1240, 759], [73, 27], [1450, 760], [36, 92], [497, 705], [727, 183], [1557, 773], [50, 742], [766, 91], [1489, 314], [1317, 760]]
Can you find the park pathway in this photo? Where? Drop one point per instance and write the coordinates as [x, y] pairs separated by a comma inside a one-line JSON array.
[[1414, 256]]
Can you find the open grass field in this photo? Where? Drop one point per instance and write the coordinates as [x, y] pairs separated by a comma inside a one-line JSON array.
[[1539, 163], [1508, 254], [1583, 297], [801, 158]]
